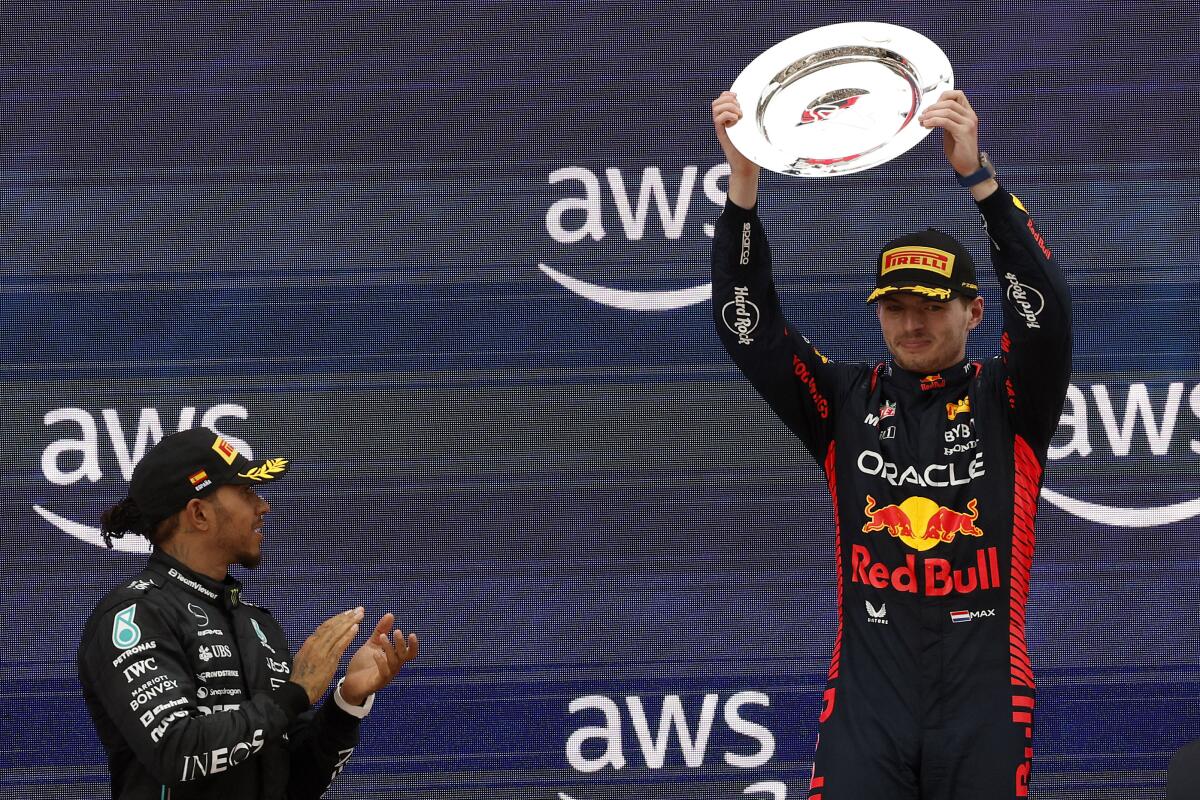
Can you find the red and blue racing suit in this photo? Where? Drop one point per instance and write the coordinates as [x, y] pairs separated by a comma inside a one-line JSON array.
[[934, 480]]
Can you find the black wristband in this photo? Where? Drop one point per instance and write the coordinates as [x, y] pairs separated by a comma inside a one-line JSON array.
[[985, 171], [978, 176]]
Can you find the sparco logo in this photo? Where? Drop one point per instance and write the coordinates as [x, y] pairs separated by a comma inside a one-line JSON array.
[[86, 439], [1027, 300], [744, 254], [741, 315], [580, 219]]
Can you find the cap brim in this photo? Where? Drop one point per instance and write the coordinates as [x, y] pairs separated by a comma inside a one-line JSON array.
[[939, 293], [262, 472]]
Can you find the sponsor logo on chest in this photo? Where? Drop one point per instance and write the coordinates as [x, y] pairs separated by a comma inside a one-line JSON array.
[[935, 475]]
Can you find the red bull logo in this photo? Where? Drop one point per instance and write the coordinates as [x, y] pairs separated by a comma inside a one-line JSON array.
[[921, 523], [931, 382], [937, 576], [1037, 237], [946, 524]]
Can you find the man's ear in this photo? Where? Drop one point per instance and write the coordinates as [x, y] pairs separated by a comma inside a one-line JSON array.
[[975, 309], [199, 514]]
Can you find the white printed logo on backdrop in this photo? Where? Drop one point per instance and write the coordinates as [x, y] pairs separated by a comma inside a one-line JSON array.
[[84, 439], [580, 216], [1095, 427], [599, 747]]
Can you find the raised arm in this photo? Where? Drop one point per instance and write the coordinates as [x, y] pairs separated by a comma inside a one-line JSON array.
[[1036, 344], [743, 173], [796, 381]]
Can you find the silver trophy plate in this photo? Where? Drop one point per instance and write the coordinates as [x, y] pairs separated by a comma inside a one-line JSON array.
[[838, 99]]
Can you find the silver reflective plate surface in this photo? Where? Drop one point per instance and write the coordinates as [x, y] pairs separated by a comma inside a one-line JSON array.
[[838, 99]]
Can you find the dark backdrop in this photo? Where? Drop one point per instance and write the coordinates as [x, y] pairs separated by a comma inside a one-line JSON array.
[[318, 228]]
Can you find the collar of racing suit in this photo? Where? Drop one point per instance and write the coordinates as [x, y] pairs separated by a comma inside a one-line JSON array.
[[226, 593], [954, 375]]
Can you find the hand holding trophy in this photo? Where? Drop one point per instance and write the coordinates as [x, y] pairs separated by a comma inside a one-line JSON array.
[[838, 99]]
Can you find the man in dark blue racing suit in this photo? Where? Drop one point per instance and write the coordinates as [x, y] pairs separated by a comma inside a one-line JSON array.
[[193, 691], [934, 464]]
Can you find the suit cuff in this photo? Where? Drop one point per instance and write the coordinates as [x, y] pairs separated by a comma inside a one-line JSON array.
[[738, 211], [292, 698], [354, 711]]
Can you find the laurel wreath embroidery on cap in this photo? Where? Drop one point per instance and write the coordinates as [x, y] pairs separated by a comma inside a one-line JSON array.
[[269, 469]]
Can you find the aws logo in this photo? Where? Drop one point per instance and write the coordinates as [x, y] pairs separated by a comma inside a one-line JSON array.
[[87, 443], [680, 739], [1151, 425], [921, 523], [582, 216]]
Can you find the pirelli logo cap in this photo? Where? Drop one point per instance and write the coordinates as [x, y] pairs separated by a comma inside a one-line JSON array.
[[928, 263], [193, 463]]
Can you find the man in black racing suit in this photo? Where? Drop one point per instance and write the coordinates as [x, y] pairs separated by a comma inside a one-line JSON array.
[[934, 464], [194, 692]]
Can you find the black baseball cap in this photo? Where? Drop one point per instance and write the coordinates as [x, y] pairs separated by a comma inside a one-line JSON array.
[[193, 463], [929, 263]]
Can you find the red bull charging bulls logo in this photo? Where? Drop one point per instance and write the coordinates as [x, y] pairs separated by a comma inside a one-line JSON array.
[[921, 524]]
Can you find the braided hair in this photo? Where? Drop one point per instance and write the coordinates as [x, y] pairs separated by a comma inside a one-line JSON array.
[[125, 517]]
